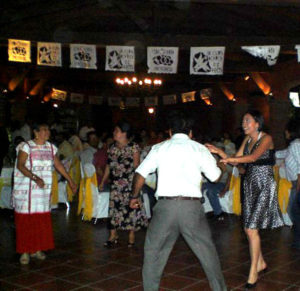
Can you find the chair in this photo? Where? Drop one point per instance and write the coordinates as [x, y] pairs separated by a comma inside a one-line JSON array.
[[91, 203], [283, 189], [235, 192]]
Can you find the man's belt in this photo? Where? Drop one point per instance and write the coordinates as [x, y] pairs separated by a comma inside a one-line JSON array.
[[202, 200]]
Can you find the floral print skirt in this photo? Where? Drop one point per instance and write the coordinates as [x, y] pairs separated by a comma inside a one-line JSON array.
[[122, 216]]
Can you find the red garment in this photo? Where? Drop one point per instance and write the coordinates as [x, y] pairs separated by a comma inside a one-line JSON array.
[[33, 232], [100, 161]]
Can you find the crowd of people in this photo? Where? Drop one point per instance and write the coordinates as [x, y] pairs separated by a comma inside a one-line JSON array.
[[185, 165]]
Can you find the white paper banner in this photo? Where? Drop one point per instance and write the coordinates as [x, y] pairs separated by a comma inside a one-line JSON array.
[[19, 51], [132, 102], [169, 99], [83, 56], [114, 101], [297, 47], [207, 60], [49, 54], [162, 60], [58, 95], [267, 52], [96, 100], [120, 58], [151, 101], [188, 96], [76, 98]]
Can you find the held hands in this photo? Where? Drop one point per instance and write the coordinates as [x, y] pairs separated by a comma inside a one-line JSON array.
[[73, 186], [135, 203], [227, 161]]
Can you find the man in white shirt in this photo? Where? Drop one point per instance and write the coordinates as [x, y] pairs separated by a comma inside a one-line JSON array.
[[180, 162]]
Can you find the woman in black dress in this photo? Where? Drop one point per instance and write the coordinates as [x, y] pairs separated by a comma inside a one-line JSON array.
[[260, 203]]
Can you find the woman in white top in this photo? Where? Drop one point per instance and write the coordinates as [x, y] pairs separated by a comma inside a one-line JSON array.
[[35, 162]]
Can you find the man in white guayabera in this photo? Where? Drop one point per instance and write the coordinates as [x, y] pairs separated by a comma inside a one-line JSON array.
[[179, 161]]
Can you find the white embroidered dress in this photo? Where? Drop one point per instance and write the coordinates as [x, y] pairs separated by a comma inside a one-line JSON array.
[[28, 198]]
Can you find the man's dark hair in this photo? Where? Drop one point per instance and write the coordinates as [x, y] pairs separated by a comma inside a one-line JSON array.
[[178, 122]]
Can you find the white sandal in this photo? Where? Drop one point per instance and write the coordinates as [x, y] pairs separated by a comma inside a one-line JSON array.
[[24, 259], [38, 255]]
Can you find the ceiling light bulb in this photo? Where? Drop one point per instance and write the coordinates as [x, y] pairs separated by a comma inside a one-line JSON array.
[[151, 110]]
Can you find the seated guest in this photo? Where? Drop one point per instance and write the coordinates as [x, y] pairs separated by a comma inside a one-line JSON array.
[[100, 161], [87, 155], [76, 143], [291, 156], [65, 149], [84, 130], [218, 189]]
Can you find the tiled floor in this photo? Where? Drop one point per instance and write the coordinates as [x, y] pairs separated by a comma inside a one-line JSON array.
[[80, 262]]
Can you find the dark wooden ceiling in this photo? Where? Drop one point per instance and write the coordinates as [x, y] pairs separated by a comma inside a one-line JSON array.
[[230, 23]]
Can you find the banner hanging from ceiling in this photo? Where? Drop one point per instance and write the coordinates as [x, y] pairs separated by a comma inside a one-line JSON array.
[[151, 101], [49, 54], [96, 100], [267, 52], [19, 51], [114, 101], [170, 99], [207, 60], [120, 58], [83, 56], [162, 60], [188, 97], [59, 95], [76, 98]]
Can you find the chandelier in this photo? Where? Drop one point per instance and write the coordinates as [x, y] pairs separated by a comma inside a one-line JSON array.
[[134, 81]]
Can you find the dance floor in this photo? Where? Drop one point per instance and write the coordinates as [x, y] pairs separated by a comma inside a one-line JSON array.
[[80, 262]]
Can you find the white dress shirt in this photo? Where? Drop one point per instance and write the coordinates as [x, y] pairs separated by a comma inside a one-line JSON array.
[[291, 157], [180, 162]]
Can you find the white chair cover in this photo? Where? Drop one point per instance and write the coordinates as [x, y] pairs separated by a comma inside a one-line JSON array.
[[100, 199], [282, 175], [6, 188]]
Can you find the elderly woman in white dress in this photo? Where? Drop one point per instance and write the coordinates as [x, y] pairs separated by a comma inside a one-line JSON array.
[[35, 162]]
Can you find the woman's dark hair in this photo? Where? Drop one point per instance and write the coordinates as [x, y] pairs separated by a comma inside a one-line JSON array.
[[257, 117], [293, 127], [178, 122], [37, 125], [125, 127]]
